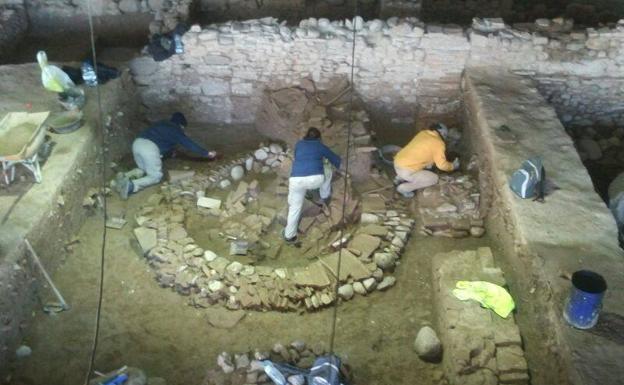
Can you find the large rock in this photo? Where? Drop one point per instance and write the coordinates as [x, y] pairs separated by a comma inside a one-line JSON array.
[[346, 291], [427, 345], [385, 261], [129, 6], [591, 148]]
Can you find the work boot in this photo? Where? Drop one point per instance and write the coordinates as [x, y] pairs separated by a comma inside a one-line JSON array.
[[407, 194], [294, 241], [125, 188]]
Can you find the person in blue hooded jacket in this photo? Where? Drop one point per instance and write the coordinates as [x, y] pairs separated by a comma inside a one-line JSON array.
[[308, 173], [152, 144]]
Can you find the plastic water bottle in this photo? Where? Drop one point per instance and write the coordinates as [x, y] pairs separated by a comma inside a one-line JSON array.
[[88, 74], [177, 42], [274, 374]]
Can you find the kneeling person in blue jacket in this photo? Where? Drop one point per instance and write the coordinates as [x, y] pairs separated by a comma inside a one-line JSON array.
[[154, 143], [308, 173]]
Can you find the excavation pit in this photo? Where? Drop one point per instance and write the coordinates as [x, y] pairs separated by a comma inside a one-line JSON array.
[[406, 71]]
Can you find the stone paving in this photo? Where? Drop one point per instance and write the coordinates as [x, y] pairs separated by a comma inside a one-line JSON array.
[[480, 347]]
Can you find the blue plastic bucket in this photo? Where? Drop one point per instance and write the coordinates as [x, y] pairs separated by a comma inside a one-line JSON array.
[[585, 301]]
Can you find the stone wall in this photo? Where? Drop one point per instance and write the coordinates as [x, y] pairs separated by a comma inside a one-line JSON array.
[[402, 67], [70, 16], [13, 26], [211, 11]]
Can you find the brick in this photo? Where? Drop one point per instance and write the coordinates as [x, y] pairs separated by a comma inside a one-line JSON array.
[[510, 359], [506, 333], [514, 378]]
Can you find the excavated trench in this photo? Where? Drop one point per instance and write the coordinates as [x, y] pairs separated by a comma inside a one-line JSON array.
[[176, 330], [154, 328]]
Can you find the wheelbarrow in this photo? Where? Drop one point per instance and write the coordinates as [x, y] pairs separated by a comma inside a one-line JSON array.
[[21, 136]]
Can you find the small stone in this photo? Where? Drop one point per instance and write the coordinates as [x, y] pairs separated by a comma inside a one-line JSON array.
[[346, 292], [427, 345], [386, 283], [446, 208], [225, 363], [249, 162], [369, 284], [385, 261], [209, 255], [234, 267], [208, 203], [359, 288], [477, 231], [23, 351], [238, 248], [276, 148], [225, 183], [215, 285], [237, 172], [280, 273], [298, 345], [368, 218], [261, 154], [241, 361]]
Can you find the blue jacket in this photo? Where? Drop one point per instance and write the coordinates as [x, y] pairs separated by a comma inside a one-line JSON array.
[[309, 154], [166, 135]]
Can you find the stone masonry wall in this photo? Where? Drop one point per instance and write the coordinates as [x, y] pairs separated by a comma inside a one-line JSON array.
[[401, 67], [13, 26], [70, 15]]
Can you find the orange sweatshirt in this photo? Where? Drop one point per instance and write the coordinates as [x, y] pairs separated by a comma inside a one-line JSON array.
[[426, 148]]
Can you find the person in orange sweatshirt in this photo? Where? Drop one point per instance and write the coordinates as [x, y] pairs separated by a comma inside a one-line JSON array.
[[413, 162]]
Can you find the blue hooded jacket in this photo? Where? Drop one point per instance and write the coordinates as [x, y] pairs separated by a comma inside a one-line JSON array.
[[309, 154], [167, 134]]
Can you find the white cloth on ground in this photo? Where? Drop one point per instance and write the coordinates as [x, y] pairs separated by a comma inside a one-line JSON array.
[[297, 187], [147, 157]]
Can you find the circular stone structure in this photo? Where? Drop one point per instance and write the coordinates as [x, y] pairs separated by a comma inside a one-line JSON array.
[[223, 245]]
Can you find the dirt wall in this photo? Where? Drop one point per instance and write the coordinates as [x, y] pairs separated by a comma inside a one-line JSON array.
[[47, 214]]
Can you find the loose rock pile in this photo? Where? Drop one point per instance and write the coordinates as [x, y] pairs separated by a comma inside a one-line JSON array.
[[603, 145], [245, 368], [247, 218], [452, 207], [287, 113]]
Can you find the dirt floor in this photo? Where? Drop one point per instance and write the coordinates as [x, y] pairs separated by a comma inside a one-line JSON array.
[[153, 328]]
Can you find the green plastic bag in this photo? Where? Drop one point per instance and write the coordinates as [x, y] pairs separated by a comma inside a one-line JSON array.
[[489, 295]]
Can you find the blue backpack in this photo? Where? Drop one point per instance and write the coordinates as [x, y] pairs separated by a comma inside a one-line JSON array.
[[528, 181]]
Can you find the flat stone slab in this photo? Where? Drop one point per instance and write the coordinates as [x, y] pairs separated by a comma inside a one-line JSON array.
[[350, 266], [147, 238], [180, 175], [377, 230], [313, 275], [366, 244]]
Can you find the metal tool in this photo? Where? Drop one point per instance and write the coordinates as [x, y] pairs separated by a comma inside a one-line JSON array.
[[52, 307]]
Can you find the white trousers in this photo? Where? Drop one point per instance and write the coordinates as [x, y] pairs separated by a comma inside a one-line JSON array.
[[415, 180], [297, 187], [147, 158]]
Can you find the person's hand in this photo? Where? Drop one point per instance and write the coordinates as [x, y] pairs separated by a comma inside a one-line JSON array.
[[212, 155], [456, 164]]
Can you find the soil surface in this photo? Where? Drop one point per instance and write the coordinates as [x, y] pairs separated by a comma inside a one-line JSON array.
[[146, 326]]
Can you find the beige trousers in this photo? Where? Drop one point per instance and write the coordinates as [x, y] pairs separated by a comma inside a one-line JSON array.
[[415, 180]]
